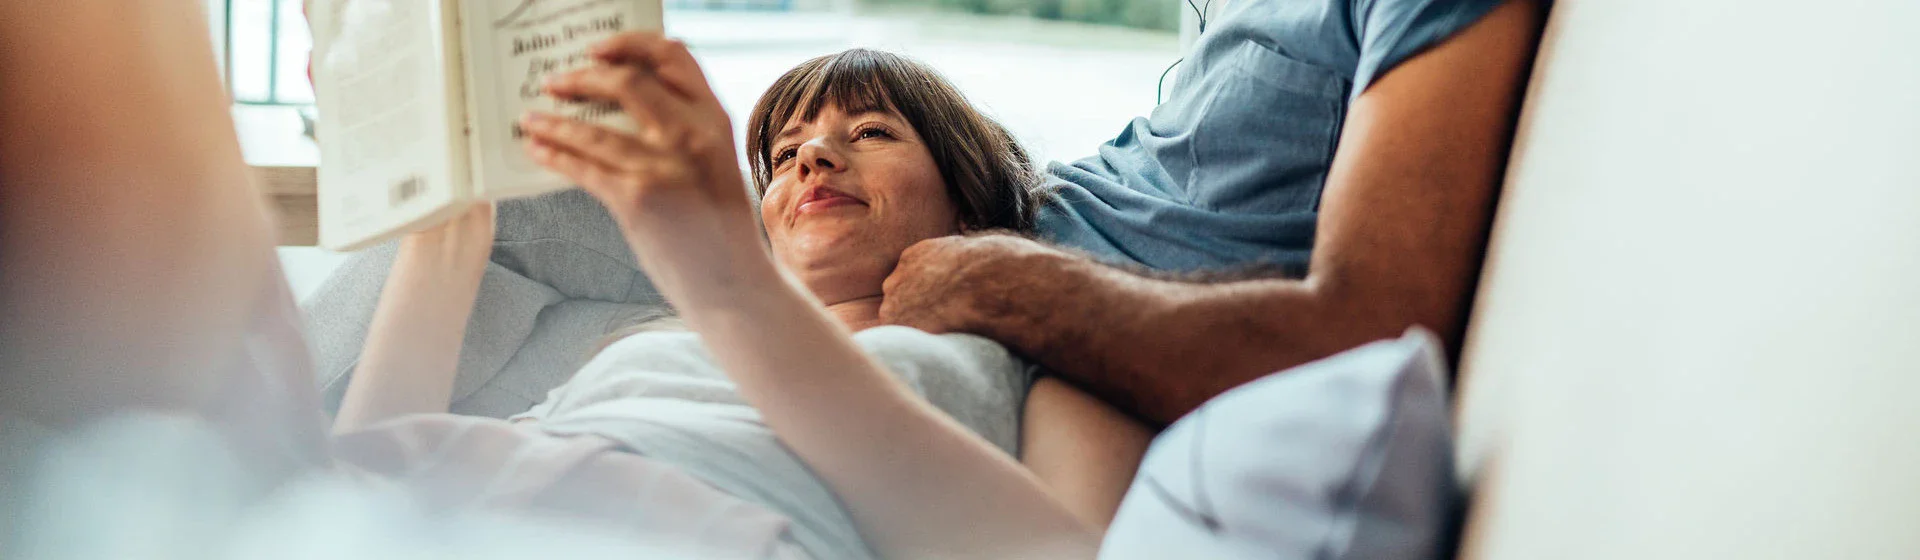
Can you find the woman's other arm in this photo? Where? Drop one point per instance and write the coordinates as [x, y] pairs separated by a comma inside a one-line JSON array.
[[413, 345], [917, 482], [1084, 450]]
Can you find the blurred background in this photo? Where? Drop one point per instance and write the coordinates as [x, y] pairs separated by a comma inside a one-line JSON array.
[[1063, 75]]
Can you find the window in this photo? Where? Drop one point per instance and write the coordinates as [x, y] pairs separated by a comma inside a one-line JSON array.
[[1064, 75], [266, 55]]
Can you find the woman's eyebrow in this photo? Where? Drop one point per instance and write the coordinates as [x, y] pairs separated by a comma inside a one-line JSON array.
[[885, 114], [790, 131], [797, 128]]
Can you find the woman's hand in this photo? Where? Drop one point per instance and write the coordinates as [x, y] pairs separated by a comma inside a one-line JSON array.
[[673, 184]]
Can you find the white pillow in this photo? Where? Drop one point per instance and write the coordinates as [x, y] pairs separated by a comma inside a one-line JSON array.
[[1344, 458]]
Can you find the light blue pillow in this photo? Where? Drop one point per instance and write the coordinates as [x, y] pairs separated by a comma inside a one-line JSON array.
[[1349, 457]]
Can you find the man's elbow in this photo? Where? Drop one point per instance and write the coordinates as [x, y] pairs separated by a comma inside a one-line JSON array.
[[1362, 312]]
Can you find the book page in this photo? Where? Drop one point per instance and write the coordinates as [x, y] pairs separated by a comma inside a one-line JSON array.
[[511, 46], [384, 128]]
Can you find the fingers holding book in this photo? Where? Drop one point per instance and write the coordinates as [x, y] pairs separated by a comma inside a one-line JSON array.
[[633, 86], [614, 166], [659, 84], [668, 58], [610, 164], [682, 142], [612, 148], [645, 73]]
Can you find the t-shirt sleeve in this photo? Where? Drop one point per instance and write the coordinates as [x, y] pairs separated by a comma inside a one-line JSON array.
[[1392, 31]]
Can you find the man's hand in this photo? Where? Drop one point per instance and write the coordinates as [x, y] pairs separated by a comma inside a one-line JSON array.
[[1084, 320], [965, 283]]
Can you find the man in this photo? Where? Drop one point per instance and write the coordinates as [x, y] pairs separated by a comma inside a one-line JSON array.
[[1239, 168]]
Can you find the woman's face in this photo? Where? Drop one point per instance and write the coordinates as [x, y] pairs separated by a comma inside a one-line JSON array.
[[849, 193]]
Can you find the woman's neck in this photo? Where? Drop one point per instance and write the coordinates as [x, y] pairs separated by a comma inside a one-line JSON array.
[[857, 314]]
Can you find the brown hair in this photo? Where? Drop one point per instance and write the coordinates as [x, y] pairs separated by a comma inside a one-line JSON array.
[[990, 178]]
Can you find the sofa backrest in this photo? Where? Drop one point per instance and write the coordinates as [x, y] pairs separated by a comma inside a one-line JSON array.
[[1698, 329]]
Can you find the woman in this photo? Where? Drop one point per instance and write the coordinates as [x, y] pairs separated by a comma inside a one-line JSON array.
[[773, 397]]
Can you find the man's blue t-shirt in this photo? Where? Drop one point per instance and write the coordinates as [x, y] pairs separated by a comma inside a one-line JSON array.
[[1228, 171]]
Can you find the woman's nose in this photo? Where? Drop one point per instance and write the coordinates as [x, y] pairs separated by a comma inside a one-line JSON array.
[[816, 158]]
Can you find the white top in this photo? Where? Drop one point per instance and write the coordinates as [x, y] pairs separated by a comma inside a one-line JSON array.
[[661, 395]]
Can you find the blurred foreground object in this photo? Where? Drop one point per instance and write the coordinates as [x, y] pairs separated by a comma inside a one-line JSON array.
[[1696, 330]]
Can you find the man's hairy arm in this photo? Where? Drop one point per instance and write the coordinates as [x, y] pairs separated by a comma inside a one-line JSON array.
[[1402, 230]]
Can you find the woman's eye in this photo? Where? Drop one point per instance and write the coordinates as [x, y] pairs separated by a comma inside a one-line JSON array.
[[871, 132], [784, 155]]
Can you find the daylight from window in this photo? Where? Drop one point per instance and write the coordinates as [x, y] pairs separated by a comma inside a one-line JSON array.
[[1064, 75]]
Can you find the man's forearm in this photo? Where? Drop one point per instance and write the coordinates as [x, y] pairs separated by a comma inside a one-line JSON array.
[[1160, 348], [1155, 348]]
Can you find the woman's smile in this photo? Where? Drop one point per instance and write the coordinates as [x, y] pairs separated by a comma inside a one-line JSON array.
[[821, 199]]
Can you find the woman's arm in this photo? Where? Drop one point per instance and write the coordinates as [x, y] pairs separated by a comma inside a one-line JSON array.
[[918, 484], [413, 346], [1084, 450]]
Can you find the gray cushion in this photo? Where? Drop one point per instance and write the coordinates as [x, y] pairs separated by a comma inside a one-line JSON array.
[[1344, 458], [567, 241], [561, 279]]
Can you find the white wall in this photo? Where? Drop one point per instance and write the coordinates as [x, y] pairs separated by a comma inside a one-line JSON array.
[[1699, 330]]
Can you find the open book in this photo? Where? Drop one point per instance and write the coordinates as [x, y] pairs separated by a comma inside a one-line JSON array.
[[419, 102]]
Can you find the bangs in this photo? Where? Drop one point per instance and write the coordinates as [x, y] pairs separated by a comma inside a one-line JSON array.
[[856, 81]]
